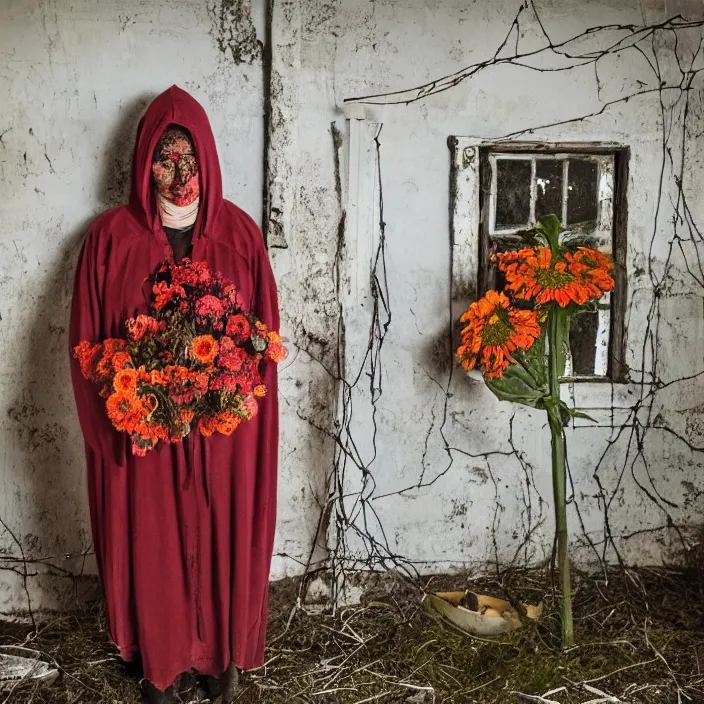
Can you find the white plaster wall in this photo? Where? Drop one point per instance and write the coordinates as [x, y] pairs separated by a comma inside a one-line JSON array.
[[482, 507], [74, 79]]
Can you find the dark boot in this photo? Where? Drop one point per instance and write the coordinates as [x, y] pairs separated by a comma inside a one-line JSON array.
[[209, 686], [230, 684], [134, 668], [152, 695], [186, 688]]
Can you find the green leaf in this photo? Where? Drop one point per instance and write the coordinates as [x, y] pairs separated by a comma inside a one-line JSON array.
[[517, 386], [578, 414], [550, 227], [523, 372], [535, 360]]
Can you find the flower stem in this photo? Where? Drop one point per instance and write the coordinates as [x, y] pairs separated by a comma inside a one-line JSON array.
[[555, 352]]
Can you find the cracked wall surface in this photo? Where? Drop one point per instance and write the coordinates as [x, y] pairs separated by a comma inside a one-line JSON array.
[[438, 473], [75, 78], [304, 228], [234, 31], [434, 471]]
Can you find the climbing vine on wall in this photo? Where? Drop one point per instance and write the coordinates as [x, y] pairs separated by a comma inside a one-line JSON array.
[[358, 536], [675, 232]]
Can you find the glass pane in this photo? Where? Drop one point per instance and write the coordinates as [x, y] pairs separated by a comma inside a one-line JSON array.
[[548, 177], [512, 192], [583, 344], [582, 191]]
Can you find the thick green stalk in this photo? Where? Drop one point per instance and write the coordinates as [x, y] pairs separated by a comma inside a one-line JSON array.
[[555, 352]]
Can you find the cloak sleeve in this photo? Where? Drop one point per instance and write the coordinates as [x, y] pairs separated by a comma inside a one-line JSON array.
[[265, 306], [86, 324]]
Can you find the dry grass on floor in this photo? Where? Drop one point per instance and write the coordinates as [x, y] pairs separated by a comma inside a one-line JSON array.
[[640, 638]]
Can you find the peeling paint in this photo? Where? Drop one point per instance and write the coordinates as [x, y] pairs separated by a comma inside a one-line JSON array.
[[431, 421], [234, 31], [78, 82]]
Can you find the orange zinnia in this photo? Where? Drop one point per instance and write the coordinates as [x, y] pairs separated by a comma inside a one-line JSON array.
[[226, 423], [125, 410], [207, 425], [204, 349], [493, 331], [125, 381], [535, 274], [276, 349], [592, 268], [120, 360]]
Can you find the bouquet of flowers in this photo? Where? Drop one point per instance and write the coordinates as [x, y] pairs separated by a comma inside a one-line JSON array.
[[194, 361]]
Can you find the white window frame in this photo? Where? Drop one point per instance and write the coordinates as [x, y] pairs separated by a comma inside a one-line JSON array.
[[602, 236], [604, 399]]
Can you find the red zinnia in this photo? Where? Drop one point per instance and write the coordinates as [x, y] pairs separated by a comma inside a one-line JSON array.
[[238, 328], [231, 357], [138, 327], [209, 307]]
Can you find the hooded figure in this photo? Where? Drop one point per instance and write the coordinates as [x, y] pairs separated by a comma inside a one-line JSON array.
[[184, 536]]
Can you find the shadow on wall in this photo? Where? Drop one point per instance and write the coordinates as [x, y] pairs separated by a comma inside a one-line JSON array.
[[117, 165], [46, 457]]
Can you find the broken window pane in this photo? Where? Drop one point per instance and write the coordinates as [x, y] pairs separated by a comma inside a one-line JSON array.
[[512, 193], [548, 177], [497, 279], [529, 186], [582, 191], [583, 344]]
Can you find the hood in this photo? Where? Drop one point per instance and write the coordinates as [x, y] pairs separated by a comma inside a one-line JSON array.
[[175, 106]]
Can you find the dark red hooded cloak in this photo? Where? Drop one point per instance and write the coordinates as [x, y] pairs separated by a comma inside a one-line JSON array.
[[184, 536]]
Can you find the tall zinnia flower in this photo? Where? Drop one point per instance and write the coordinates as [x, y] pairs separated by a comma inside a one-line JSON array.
[[539, 275], [493, 330]]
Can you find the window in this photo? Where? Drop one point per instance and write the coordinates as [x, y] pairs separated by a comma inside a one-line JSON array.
[[585, 187]]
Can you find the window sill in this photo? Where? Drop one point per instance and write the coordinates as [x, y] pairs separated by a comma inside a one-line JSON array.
[[607, 403]]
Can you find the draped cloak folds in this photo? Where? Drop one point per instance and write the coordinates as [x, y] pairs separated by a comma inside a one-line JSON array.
[[184, 536]]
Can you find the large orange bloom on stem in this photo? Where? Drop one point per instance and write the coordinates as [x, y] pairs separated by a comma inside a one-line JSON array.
[[592, 268], [493, 330], [540, 275]]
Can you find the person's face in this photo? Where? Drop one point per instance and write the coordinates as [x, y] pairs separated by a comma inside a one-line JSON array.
[[174, 167]]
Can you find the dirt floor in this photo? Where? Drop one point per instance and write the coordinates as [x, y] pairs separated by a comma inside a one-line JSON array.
[[639, 633]]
